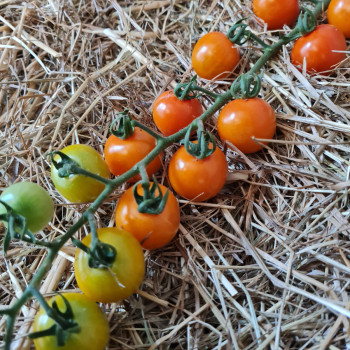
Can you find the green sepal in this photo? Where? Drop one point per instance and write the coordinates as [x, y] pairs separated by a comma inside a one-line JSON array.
[[149, 202], [246, 86], [238, 34], [66, 166], [185, 91], [122, 126], [102, 256], [16, 227], [201, 149]]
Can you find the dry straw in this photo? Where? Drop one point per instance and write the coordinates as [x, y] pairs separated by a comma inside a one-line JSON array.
[[263, 266]]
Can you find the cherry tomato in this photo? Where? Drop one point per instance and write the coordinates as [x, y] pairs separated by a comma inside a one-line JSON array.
[[214, 56], [120, 280], [277, 13], [94, 330], [242, 119], [339, 15], [122, 155], [152, 231], [80, 188], [31, 201], [197, 179], [317, 48], [171, 114]]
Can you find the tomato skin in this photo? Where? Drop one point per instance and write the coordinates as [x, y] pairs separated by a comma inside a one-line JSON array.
[[338, 14], [122, 155], [241, 119], [214, 56], [31, 201], [94, 329], [277, 13], [153, 231], [80, 188], [171, 114], [317, 49], [128, 268], [197, 179]]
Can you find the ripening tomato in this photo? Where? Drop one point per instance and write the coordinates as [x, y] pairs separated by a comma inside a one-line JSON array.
[[214, 56], [80, 188], [277, 13], [109, 285], [152, 231], [94, 330], [242, 119], [122, 155], [171, 114], [197, 179], [31, 201], [318, 49], [339, 15]]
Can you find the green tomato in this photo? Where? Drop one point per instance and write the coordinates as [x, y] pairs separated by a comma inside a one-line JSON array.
[[31, 201], [80, 188], [94, 330]]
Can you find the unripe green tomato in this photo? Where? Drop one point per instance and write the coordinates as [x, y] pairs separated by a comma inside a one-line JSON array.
[[31, 201]]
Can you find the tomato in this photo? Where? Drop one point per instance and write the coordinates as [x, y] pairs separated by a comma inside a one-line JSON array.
[[120, 280], [80, 188], [152, 231], [317, 48], [94, 330], [242, 119], [31, 201], [197, 179], [214, 56], [339, 15], [277, 13], [122, 155], [171, 114]]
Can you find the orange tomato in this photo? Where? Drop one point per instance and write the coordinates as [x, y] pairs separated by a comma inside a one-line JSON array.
[[339, 15], [122, 155], [152, 231], [171, 114], [242, 119], [197, 179], [277, 13], [214, 56], [318, 49]]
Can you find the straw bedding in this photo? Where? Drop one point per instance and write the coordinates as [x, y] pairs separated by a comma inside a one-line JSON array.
[[264, 265]]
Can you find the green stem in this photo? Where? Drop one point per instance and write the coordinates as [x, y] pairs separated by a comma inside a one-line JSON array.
[[81, 171]]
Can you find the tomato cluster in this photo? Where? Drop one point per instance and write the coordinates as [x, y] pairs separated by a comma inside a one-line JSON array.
[[240, 125]]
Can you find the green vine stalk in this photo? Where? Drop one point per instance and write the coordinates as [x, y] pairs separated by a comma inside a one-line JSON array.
[[241, 87]]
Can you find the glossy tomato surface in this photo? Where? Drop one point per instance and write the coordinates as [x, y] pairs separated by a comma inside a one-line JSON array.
[[94, 330], [152, 231], [80, 188], [122, 155], [171, 114], [31, 201], [338, 14], [197, 179], [318, 49], [277, 13], [214, 56], [124, 276], [242, 119]]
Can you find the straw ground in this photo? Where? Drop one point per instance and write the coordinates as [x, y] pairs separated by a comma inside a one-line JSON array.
[[265, 265]]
